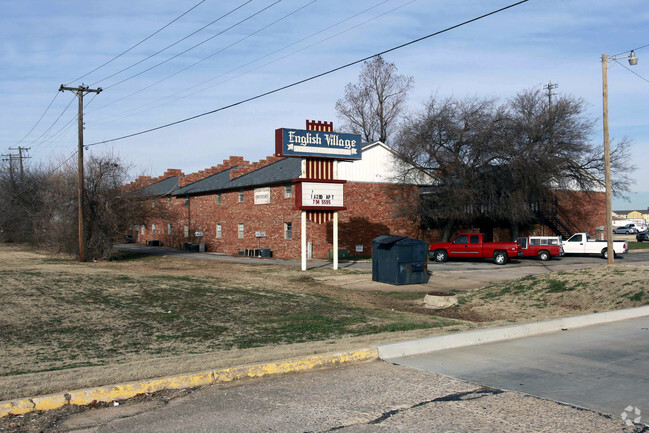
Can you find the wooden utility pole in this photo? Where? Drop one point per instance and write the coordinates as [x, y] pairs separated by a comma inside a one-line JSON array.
[[80, 91], [9, 157], [607, 164], [21, 157], [550, 87]]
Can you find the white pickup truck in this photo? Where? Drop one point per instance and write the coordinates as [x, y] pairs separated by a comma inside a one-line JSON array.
[[580, 243]]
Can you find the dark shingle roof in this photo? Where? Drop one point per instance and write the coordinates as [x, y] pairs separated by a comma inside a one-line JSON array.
[[164, 187], [283, 170]]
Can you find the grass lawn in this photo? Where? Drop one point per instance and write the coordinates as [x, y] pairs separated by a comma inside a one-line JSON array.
[[69, 325], [638, 245], [58, 314]]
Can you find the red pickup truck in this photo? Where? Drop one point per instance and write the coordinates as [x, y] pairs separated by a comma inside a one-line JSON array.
[[472, 245], [541, 247]]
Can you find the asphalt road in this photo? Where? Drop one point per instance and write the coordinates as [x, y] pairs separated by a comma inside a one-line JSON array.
[[372, 397], [576, 261], [603, 367]]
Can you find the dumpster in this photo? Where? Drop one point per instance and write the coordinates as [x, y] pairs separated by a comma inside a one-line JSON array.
[[399, 260]]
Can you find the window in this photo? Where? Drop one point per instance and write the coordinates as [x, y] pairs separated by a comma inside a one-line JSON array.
[[218, 199], [186, 201], [169, 202], [240, 196], [575, 238], [186, 231], [219, 231], [288, 230], [288, 190], [142, 233], [240, 231], [153, 204], [464, 239], [169, 228], [475, 239], [153, 229]]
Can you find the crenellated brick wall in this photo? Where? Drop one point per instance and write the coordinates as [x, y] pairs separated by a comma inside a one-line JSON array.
[[240, 171], [233, 161], [144, 181]]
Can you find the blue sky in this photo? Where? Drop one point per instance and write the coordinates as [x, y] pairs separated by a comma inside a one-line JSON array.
[[48, 43]]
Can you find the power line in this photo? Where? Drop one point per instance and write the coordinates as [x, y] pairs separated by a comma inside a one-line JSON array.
[[159, 103], [141, 42], [632, 71], [169, 46], [67, 125], [63, 163], [197, 45], [205, 58], [313, 77], [39, 119], [634, 49], [53, 123]]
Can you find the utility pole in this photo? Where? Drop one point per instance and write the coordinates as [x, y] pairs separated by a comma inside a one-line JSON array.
[[21, 157], [9, 157], [80, 91], [549, 87]]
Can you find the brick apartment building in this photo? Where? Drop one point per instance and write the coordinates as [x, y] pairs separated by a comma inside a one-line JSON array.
[[239, 205]]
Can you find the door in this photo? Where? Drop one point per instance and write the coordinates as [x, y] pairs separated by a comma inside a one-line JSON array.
[[576, 244], [466, 246]]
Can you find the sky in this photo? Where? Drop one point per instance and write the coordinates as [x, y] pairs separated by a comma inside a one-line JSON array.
[[157, 67]]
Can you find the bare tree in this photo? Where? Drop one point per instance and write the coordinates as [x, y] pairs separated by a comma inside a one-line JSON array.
[[373, 106], [41, 207], [494, 161]]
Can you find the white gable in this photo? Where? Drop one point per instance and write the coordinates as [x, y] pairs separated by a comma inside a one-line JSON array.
[[378, 164]]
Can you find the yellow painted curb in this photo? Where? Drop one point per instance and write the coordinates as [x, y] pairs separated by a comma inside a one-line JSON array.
[[123, 391]]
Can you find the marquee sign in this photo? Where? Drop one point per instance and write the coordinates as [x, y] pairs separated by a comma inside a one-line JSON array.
[[320, 195], [320, 144]]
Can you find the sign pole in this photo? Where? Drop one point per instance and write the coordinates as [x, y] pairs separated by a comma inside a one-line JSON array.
[[303, 240], [335, 222], [335, 240]]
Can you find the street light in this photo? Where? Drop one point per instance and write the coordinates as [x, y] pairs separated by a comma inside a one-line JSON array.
[[633, 60]]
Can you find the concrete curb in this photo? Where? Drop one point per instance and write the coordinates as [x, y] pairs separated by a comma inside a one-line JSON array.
[[481, 336], [123, 391]]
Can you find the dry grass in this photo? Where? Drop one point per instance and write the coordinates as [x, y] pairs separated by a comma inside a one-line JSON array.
[[546, 296], [68, 325], [59, 315]]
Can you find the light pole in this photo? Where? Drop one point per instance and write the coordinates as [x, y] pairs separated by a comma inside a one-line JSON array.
[[633, 60]]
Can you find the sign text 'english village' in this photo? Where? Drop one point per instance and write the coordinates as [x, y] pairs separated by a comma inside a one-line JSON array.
[[298, 142]]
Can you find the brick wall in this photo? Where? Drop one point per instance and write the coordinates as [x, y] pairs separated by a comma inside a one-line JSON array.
[[373, 210]]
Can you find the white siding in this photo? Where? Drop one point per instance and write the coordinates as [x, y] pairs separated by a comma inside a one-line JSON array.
[[378, 164]]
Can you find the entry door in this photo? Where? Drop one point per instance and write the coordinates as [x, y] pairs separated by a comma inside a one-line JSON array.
[[466, 246]]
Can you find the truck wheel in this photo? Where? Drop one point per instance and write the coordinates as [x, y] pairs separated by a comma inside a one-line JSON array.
[[544, 256], [441, 256], [605, 253], [500, 257]]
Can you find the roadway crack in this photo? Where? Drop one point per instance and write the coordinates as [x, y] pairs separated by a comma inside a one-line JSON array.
[[460, 396]]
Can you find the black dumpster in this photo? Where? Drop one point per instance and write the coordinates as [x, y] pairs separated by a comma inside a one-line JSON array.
[[399, 260]]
